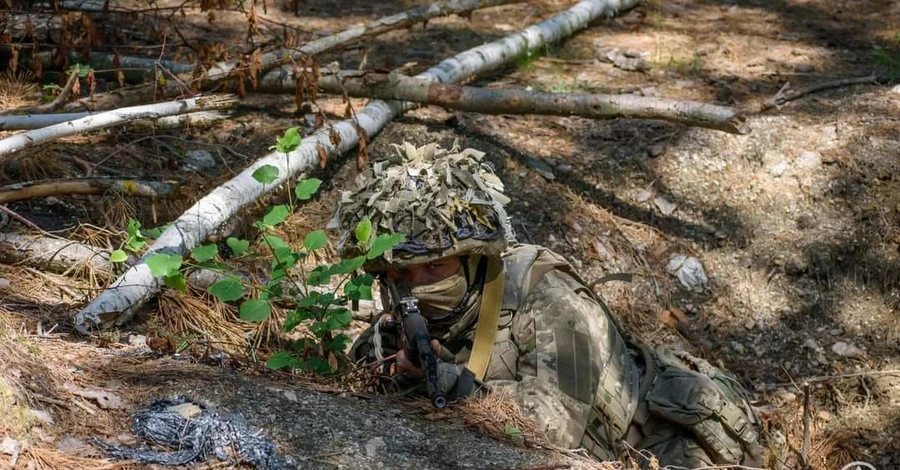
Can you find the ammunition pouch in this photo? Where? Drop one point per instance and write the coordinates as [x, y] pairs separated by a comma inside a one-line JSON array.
[[706, 404]]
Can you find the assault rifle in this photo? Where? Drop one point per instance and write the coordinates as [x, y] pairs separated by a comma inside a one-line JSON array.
[[418, 344]]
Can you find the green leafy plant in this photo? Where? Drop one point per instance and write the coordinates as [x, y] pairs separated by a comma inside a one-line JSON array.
[[319, 305]]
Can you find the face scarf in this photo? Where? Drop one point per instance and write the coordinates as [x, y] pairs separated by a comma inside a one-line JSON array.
[[439, 299]]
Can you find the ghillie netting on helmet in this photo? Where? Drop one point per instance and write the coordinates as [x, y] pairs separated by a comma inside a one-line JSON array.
[[446, 202]]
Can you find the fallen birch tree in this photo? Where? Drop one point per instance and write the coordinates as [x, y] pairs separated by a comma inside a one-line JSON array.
[[65, 256], [118, 303], [394, 86], [37, 121], [52, 254], [93, 185], [112, 118], [221, 71]]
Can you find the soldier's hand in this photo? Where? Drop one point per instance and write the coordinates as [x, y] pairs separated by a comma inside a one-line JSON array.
[[405, 365]]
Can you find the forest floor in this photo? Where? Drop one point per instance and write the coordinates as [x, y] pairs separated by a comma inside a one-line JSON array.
[[797, 225]]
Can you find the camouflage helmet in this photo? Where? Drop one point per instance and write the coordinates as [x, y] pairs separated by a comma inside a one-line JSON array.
[[446, 202]]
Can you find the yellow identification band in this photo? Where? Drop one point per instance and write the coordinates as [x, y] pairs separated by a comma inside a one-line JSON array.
[[488, 319]]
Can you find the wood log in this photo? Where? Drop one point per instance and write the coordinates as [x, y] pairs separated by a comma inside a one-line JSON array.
[[118, 303], [92, 185], [37, 121], [52, 254], [393, 86], [112, 118]]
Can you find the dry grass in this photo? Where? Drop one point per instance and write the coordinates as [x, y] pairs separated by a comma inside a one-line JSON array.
[[17, 90], [198, 319], [52, 459], [29, 165]]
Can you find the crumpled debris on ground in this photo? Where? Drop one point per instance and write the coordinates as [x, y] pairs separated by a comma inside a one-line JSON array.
[[195, 437]]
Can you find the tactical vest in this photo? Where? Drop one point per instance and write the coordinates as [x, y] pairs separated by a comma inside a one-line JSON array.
[[617, 392], [644, 397]]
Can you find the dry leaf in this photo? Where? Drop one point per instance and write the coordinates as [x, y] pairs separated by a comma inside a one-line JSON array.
[[643, 196], [672, 317], [664, 205]]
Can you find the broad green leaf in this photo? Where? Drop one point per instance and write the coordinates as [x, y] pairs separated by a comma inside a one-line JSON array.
[[347, 266], [317, 365], [176, 281], [135, 240], [280, 360], [339, 318], [255, 310], [205, 252], [360, 288], [295, 317], [306, 188], [289, 141], [155, 232], [315, 240], [275, 242], [319, 328], [339, 343], [265, 174], [363, 231], [318, 276], [164, 265], [237, 245], [118, 256], [276, 215], [309, 300], [384, 242], [227, 290], [284, 257], [273, 288]]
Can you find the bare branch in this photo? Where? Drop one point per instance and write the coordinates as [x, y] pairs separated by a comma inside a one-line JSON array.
[[37, 121], [94, 185], [112, 118], [785, 94], [511, 101]]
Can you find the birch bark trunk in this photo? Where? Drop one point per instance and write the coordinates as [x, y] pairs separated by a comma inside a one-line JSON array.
[[37, 121], [118, 303], [394, 86], [112, 118]]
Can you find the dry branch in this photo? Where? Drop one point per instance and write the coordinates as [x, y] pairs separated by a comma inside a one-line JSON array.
[[785, 94], [112, 118], [37, 121], [52, 254], [117, 304], [508, 101], [222, 71], [95, 185]]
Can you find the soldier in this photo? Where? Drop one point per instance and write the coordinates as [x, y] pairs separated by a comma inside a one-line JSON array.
[[518, 316]]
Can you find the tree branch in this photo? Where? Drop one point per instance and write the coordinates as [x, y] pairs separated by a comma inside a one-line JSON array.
[[785, 94], [510, 101], [37, 121], [112, 118], [94, 185]]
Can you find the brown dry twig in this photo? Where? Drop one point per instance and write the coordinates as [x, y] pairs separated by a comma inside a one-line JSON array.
[[91, 185], [785, 94]]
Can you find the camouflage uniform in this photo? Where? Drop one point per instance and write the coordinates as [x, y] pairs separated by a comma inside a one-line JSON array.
[[562, 354]]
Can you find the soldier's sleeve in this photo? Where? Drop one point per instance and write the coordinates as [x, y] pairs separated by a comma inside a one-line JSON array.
[[575, 375]]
